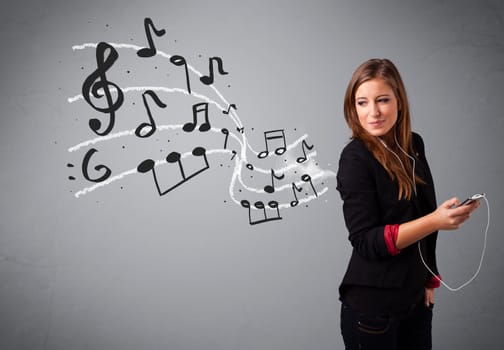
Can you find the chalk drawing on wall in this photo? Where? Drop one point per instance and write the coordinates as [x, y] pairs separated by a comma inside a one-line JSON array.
[[299, 181]]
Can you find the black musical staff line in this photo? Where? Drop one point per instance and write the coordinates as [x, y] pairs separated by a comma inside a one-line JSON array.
[[295, 189], [97, 85], [196, 109], [85, 165], [270, 136], [151, 124], [151, 50], [303, 158], [232, 105], [209, 79], [307, 178], [181, 61], [174, 157], [260, 205], [225, 132], [271, 188]]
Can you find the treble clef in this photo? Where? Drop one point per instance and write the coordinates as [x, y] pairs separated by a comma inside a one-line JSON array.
[[97, 85]]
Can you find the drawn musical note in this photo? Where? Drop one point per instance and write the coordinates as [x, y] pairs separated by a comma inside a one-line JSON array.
[[151, 124], [271, 188], [249, 166], [151, 50], [232, 105], [209, 79], [197, 108], [225, 132], [97, 86], [303, 158], [240, 130], [294, 189], [85, 165], [181, 61], [234, 154], [174, 157], [307, 178], [260, 205], [273, 135]]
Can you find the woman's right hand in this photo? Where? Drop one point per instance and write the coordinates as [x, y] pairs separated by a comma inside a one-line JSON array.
[[449, 216]]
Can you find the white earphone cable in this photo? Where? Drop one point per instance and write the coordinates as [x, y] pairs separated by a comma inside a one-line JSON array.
[[455, 289]]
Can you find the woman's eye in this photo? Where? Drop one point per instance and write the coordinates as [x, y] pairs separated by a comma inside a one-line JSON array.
[[361, 103], [384, 100]]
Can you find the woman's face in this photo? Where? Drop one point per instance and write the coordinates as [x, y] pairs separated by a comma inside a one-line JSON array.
[[376, 106]]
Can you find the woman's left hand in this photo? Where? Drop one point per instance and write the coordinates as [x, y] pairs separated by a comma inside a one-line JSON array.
[[429, 297]]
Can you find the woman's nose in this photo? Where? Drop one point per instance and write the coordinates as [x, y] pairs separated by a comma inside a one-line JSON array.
[[374, 111]]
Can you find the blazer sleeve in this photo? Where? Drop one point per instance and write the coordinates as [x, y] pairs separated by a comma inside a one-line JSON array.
[[368, 235]]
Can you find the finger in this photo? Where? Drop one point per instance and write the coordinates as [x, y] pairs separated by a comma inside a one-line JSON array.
[[461, 211], [452, 202]]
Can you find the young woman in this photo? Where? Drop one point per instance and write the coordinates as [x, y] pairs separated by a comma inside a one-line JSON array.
[[390, 211]]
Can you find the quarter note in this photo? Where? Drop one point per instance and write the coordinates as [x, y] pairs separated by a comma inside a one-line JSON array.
[[96, 85], [232, 105], [196, 109], [151, 50], [294, 190], [174, 157], [303, 158], [271, 188], [307, 178], [225, 132], [209, 79], [151, 125], [85, 165], [271, 136], [181, 61], [260, 205]]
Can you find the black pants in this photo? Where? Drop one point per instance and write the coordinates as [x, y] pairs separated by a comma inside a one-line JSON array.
[[377, 332]]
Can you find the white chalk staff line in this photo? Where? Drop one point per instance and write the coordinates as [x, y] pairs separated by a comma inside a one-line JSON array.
[[159, 162]]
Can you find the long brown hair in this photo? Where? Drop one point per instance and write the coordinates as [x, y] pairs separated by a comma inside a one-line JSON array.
[[386, 70]]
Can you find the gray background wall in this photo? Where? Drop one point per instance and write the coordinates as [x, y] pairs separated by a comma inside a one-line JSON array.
[[123, 268]]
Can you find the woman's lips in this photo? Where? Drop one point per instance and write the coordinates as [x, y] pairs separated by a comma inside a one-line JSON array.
[[377, 123]]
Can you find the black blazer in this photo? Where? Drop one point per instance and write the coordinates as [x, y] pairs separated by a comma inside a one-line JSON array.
[[369, 204]]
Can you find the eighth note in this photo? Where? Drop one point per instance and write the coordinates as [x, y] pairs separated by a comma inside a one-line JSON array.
[[271, 189], [307, 178], [209, 79], [174, 157], [151, 124], [151, 50], [181, 61], [303, 158], [197, 108], [225, 132], [232, 105], [294, 189]]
